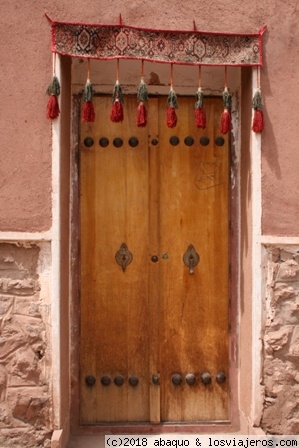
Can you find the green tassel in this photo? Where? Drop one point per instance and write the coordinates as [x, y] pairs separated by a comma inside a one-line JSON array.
[[227, 99], [199, 99], [88, 91], [257, 102], [117, 93], [172, 99], [54, 87], [142, 94]]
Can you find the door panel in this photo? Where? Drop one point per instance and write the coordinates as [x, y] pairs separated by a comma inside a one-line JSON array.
[[154, 317], [194, 314], [114, 303]]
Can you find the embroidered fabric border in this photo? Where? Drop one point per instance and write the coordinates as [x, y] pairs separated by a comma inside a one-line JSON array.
[[177, 47]]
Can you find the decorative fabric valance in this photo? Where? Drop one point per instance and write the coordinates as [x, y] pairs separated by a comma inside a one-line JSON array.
[[193, 48], [176, 47]]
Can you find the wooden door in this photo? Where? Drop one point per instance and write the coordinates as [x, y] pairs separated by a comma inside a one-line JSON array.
[[154, 331]]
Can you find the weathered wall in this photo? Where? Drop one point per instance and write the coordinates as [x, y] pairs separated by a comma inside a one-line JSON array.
[[26, 176], [281, 341], [25, 391]]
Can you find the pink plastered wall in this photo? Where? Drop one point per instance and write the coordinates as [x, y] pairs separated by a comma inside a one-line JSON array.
[[26, 71]]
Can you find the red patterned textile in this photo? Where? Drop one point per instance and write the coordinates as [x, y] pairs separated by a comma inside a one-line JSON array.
[[176, 47]]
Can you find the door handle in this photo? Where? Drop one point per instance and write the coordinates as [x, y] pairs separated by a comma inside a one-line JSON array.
[[191, 258]]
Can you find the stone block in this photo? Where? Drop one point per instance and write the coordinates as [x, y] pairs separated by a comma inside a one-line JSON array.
[[274, 254], [23, 368], [27, 306], [288, 271], [5, 305], [285, 255], [24, 437], [293, 352], [3, 381], [283, 291], [12, 337], [278, 339], [29, 405], [23, 287], [33, 328], [18, 261], [292, 427], [286, 313], [280, 411]]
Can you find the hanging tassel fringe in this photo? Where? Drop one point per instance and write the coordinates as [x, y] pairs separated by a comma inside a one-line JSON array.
[[88, 113], [172, 104], [258, 121], [53, 91], [141, 119], [171, 119], [117, 111], [200, 114], [142, 97], [53, 107], [226, 124], [258, 116]]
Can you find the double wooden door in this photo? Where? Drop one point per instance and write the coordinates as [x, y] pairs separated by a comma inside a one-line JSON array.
[[154, 207]]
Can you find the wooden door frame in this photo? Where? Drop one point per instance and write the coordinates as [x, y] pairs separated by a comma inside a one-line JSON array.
[[117, 428]]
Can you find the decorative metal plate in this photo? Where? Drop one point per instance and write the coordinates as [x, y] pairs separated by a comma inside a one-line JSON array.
[[123, 256], [191, 258]]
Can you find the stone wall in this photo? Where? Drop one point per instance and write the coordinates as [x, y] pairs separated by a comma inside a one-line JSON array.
[[281, 342], [25, 399]]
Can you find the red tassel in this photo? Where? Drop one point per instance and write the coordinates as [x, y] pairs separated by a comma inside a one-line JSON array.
[[171, 117], [53, 107], [258, 121], [226, 125], [141, 115], [88, 113], [200, 118], [117, 112]]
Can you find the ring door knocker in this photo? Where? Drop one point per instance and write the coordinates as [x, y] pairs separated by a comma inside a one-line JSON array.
[[191, 258]]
